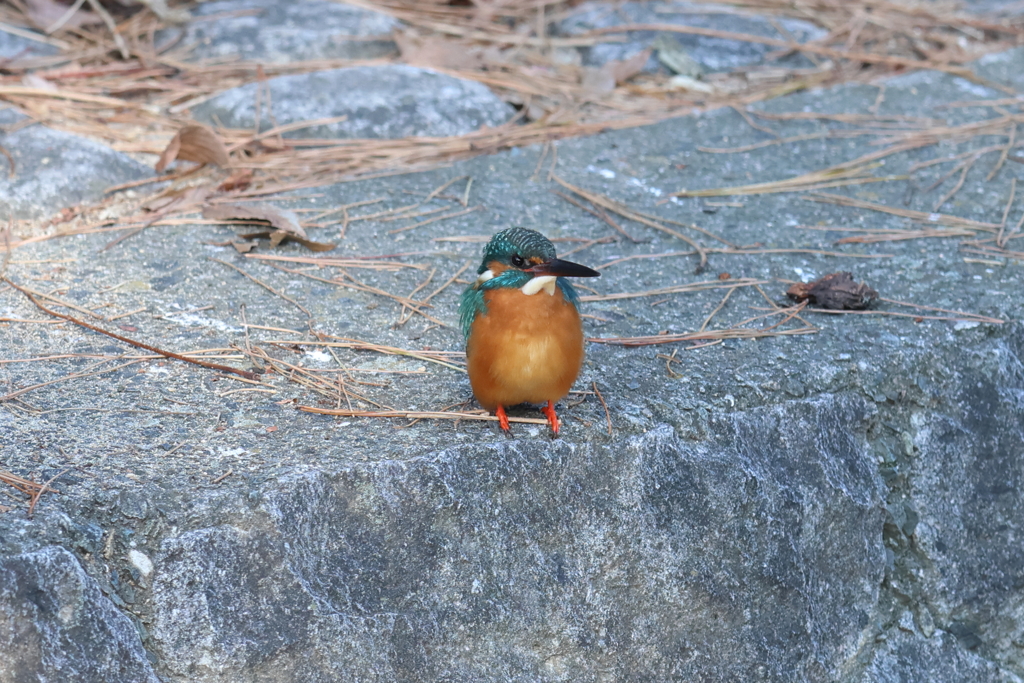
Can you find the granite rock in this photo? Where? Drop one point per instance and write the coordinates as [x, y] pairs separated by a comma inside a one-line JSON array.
[[714, 54], [906, 657], [15, 49], [54, 169], [56, 625], [967, 495], [412, 569], [841, 506], [391, 101], [272, 32]]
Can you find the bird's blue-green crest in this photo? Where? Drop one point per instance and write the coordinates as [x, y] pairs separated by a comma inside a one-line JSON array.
[[510, 247], [521, 242]]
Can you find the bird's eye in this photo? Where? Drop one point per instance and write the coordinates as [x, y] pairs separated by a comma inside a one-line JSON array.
[[518, 261]]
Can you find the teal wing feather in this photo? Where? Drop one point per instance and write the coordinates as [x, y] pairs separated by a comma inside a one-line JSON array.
[[470, 305], [569, 292]]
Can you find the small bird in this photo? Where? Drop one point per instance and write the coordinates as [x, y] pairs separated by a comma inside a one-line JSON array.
[[524, 337]]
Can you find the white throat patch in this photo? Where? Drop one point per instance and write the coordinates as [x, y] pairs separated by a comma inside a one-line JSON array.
[[484, 277], [545, 282]]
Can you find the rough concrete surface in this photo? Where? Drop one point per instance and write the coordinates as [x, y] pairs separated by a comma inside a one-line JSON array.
[[839, 506]]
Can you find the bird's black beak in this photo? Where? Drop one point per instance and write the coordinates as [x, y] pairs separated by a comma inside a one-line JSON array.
[[560, 268]]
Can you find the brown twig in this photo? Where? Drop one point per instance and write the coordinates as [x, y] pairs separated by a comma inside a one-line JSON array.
[[719, 307], [918, 216], [76, 375], [418, 415], [1000, 241], [265, 286], [607, 415], [965, 167], [26, 486], [435, 219], [44, 488], [605, 203], [603, 215], [112, 25], [132, 342]]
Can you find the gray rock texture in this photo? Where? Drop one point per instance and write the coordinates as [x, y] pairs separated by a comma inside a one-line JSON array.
[[14, 49], [906, 657], [533, 561], [54, 169], [715, 54], [56, 625], [272, 32], [837, 507], [389, 101]]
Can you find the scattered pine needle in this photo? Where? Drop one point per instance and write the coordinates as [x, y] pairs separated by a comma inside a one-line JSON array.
[[917, 216], [419, 415]]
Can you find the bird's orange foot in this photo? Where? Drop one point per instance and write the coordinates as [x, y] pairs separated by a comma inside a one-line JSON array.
[[503, 420], [549, 412]]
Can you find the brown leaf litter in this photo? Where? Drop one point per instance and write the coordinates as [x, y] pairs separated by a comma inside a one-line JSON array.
[[286, 223], [834, 292], [195, 142]]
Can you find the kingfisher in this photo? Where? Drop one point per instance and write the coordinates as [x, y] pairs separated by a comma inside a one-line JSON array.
[[521, 319]]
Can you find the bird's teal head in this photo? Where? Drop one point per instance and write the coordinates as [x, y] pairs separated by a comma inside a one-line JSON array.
[[519, 258], [522, 252], [517, 248]]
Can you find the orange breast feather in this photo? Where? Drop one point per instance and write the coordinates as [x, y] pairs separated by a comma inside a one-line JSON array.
[[524, 349]]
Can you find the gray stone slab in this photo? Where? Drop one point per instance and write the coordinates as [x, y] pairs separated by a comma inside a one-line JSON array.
[[54, 169], [389, 101], [1005, 68], [715, 54], [908, 658], [56, 625], [275, 32], [465, 550], [16, 48], [967, 496], [764, 510]]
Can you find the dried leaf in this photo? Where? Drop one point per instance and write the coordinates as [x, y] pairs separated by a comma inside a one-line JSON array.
[[277, 237], [177, 199], [625, 69], [243, 247], [420, 51], [444, 53], [239, 180], [598, 79], [835, 292], [281, 219], [196, 143], [286, 222], [604, 79], [169, 154]]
